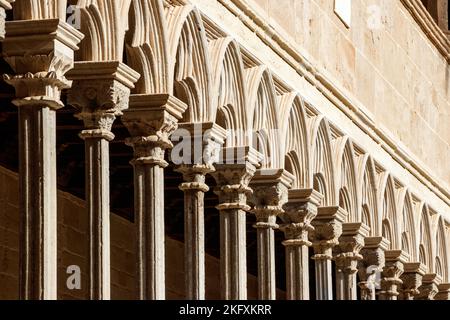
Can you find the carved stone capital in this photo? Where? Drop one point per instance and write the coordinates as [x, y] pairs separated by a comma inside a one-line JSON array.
[[393, 269], [412, 279], [270, 193], [151, 119], [101, 92], [299, 211], [327, 229], [233, 178], [444, 292], [40, 52], [350, 244], [430, 287]]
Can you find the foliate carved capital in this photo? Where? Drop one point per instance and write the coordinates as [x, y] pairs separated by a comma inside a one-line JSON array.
[[393, 269], [40, 59], [233, 179], [444, 292], [350, 244], [373, 256], [327, 228], [200, 143], [299, 211], [151, 119], [101, 92], [412, 279], [430, 287], [195, 176], [270, 193]]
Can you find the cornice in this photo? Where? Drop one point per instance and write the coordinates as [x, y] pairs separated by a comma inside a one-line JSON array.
[[336, 94], [431, 29]]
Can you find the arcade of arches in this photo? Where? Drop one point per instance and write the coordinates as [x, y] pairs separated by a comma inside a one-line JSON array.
[[308, 186]]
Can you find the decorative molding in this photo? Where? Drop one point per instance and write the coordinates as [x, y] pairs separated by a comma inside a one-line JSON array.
[[337, 95]]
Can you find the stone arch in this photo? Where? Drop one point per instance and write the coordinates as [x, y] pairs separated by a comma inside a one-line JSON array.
[[346, 178], [386, 231], [389, 208], [262, 106], [104, 24], [367, 193], [189, 63], [296, 138], [407, 224], [147, 47], [321, 160], [441, 250], [425, 238], [39, 9], [229, 89]]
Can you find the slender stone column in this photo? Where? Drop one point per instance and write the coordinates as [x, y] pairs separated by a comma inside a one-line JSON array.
[[205, 140], [393, 269], [412, 280], [270, 193], [347, 257], [327, 230], [150, 119], [100, 92], [4, 5], [444, 292], [40, 62], [371, 265], [233, 180], [430, 287], [300, 210]]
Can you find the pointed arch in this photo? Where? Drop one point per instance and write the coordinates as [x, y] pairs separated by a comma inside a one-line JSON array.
[[104, 24], [389, 208], [295, 133], [426, 239], [189, 63], [407, 222], [229, 90], [146, 47], [322, 160], [346, 178], [367, 190], [262, 106], [441, 251], [39, 9]]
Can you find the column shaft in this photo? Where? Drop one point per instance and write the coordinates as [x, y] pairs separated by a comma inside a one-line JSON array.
[[38, 192], [149, 221], [324, 280], [266, 259], [194, 244], [97, 201], [297, 271], [233, 254]]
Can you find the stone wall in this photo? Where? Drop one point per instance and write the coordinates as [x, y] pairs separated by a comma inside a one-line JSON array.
[[72, 248], [385, 60]]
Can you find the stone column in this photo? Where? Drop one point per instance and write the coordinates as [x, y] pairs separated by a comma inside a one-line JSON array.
[[150, 119], [4, 5], [372, 264], [444, 292], [233, 178], [205, 143], [347, 257], [300, 210], [270, 193], [40, 62], [390, 277], [430, 287], [328, 229], [100, 92], [412, 280]]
